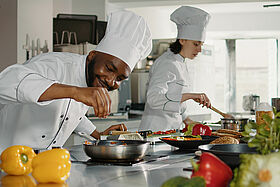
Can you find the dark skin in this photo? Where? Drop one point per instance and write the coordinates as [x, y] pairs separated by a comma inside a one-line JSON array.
[[104, 73]]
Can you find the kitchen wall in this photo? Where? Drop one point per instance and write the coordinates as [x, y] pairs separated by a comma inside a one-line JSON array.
[[8, 30], [91, 7], [34, 18], [19, 18], [227, 20]]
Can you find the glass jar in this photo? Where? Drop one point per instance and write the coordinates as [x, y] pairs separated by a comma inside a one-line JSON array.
[[263, 108]]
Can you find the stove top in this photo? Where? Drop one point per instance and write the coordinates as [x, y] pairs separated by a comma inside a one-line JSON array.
[[146, 159]]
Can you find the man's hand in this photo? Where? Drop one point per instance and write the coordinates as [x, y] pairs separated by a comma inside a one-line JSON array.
[[119, 127], [97, 97]]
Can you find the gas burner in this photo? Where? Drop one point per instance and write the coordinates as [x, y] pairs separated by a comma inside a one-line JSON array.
[[104, 162]]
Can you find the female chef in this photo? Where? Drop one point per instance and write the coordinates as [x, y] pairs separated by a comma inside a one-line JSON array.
[[169, 84], [44, 100]]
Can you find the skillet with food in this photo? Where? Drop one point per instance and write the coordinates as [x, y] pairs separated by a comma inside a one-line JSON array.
[[116, 150], [188, 142]]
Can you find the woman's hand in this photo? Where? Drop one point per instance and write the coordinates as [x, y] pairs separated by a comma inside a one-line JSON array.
[[201, 98]]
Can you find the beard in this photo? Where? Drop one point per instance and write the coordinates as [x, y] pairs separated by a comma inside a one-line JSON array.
[[91, 76], [89, 73]]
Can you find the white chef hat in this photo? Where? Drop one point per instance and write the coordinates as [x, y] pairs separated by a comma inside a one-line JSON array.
[[127, 37], [191, 22]]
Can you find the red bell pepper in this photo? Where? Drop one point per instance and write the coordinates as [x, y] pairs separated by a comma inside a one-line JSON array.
[[200, 129], [215, 172]]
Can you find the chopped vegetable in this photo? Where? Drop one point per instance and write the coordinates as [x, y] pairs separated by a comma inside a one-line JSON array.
[[165, 132], [51, 166], [197, 129], [257, 170], [184, 182], [17, 159], [200, 129], [215, 172], [182, 138]]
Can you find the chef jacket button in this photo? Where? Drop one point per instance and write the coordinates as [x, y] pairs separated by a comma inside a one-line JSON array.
[[66, 118], [80, 118], [61, 116], [54, 142], [43, 136]]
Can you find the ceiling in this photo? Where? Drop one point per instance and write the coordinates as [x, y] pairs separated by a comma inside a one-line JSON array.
[[212, 6]]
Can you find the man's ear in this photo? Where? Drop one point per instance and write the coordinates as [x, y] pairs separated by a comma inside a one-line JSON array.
[[91, 55]]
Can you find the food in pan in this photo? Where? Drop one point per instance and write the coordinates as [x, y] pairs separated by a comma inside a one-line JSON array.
[[225, 140], [227, 133], [182, 138], [164, 132]]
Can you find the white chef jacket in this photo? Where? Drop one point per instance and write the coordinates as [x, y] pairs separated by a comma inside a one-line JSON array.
[[168, 79], [41, 125]]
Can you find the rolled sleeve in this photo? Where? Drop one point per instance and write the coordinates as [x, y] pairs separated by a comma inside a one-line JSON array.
[[31, 87], [85, 126]]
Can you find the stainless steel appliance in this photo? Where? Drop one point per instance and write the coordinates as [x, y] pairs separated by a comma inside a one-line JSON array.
[[250, 103], [139, 79], [275, 102]]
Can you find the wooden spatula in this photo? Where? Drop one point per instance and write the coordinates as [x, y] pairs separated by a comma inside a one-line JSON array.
[[221, 113]]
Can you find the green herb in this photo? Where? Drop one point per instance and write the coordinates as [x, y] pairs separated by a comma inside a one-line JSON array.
[[264, 137]]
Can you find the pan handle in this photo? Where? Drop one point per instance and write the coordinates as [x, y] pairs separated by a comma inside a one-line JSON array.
[[86, 136]]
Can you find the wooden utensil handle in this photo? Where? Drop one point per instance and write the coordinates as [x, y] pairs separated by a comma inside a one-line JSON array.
[[218, 111]]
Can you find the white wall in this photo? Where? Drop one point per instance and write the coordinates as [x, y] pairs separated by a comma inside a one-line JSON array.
[[222, 24], [35, 19], [92, 7], [8, 30], [62, 7]]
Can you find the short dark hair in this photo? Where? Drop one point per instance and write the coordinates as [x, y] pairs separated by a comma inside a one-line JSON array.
[[175, 47]]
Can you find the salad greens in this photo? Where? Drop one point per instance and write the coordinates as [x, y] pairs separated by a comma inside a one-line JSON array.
[[257, 170], [264, 137]]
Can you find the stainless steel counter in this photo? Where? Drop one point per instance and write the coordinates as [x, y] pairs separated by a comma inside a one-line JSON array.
[[150, 174]]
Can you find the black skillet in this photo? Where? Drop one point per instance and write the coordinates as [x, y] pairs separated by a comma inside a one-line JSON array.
[[189, 144], [229, 153]]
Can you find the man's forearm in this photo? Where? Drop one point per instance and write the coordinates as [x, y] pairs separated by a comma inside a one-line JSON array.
[[58, 91]]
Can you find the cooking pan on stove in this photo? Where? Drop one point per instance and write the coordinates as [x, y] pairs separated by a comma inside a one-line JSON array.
[[229, 153], [116, 150]]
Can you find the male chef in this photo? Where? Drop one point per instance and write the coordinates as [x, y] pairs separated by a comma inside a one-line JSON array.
[[44, 100]]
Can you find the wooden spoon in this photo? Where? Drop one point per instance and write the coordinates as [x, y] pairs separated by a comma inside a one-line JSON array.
[[221, 113]]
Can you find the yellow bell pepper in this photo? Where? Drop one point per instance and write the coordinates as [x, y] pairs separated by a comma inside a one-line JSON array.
[[18, 181], [51, 166], [17, 159]]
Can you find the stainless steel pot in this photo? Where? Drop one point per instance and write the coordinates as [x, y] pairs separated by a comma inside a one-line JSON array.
[[126, 150], [234, 123]]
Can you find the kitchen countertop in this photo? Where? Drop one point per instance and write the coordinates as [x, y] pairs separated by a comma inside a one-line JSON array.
[[144, 174]]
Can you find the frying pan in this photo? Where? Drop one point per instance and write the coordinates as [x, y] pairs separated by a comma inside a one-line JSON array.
[[117, 150], [189, 144], [229, 153]]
